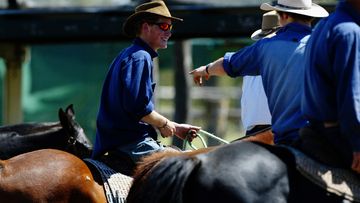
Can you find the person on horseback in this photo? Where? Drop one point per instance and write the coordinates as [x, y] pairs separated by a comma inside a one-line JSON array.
[[127, 120], [279, 60], [255, 113], [331, 93]]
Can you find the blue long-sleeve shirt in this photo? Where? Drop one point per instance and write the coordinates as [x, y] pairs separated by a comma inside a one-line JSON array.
[[280, 62], [332, 74], [126, 97]]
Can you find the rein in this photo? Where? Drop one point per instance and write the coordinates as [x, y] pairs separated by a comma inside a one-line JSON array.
[[200, 134]]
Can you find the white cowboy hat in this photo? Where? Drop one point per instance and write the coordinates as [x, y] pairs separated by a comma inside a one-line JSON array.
[[270, 24], [152, 8], [302, 7]]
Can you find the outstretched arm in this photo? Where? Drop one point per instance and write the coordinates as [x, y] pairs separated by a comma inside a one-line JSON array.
[[215, 68]]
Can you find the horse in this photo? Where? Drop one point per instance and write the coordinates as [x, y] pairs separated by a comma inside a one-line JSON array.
[[242, 171], [51, 175], [48, 175], [66, 135], [43, 162]]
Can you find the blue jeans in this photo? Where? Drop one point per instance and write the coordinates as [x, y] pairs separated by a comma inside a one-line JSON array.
[[141, 148]]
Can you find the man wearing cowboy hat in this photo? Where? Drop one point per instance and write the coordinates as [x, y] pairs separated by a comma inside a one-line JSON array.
[[255, 113], [331, 95], [126, 120], [279, 60]]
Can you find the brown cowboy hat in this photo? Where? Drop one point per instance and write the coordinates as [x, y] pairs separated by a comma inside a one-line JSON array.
[[152, 8], [269, 26]]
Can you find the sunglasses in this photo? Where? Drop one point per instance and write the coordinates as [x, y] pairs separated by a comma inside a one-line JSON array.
[[164, 26]]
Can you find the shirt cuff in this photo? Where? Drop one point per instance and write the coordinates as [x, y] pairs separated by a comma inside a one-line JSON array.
[[147, 110], [227, 65]]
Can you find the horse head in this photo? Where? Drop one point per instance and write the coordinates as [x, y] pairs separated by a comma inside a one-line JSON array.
[[78, 142]]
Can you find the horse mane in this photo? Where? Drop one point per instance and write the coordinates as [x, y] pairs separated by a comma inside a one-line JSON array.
[[162, 172], [148, 162]]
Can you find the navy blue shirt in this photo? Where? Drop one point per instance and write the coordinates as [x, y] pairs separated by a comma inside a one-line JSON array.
[[332, 74], [127, 96], [280, 62]]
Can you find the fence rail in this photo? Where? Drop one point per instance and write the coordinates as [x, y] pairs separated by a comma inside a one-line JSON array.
[[205, 93]]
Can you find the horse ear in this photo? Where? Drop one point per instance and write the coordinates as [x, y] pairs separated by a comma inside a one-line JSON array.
[[66, 117], [62, 117], [61, 114], [70, 111]]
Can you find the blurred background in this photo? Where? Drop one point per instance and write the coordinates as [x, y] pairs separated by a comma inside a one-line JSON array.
[[56, 52]]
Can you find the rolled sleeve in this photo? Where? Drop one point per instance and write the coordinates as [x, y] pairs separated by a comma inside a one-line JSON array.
[[243, 62], [227, 65]]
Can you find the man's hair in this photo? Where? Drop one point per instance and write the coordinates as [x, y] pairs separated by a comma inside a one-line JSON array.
[[298, 17], [149, 18]]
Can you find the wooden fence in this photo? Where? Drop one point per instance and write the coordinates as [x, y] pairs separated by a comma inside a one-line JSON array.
[[217, 106], [205, 94]]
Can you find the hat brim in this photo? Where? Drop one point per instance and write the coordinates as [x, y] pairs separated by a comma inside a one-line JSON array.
[[259, 34], [130, 22], [315, 11]]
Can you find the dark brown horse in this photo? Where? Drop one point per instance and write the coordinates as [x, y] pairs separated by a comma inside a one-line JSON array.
[[242, 171], [65, 135], [48, 175]]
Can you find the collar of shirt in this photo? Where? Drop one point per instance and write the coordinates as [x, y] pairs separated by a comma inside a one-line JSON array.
[[293, 31], [347, 8], [138, 41]]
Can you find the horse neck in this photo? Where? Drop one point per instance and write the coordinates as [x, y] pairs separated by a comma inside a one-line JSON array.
[[53, 138], [30, 128]]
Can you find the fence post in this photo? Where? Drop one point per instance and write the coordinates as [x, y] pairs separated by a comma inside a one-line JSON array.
[[183, 64], [14, 56]]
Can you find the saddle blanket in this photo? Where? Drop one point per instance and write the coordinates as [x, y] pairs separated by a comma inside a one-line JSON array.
[[342, 182], [116, 185]]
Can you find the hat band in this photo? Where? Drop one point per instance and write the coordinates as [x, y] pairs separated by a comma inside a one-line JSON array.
[[271, 29], [268, 31], [290, 7]]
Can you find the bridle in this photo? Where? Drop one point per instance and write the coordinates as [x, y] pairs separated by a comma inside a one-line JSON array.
[[71, 144]]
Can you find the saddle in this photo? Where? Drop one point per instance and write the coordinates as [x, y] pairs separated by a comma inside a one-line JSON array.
[[116, 185], [335, 180]]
